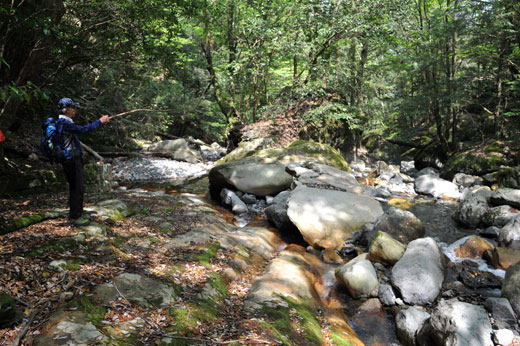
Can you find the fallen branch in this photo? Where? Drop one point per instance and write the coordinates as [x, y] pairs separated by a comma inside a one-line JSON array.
[[25, 329], [92, 151]]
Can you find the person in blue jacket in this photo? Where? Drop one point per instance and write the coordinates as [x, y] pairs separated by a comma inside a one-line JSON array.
[[73, 164]]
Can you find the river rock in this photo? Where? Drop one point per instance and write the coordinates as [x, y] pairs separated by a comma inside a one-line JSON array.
[[434, 186], [408, 168], [506, 196], [408, 322], [456, 323], [231, 199], [473, 247], [135, 288], [501, 311], [470, 211], [502, 257], [359, 277], [260, 179], [70, 328], [466, 180], [289, 275], [511, 286], [419, 274], [386, 295], [276, 212], [498, 216], [509, 235], [247, 148], [328, 218], [322, 176], [402, 225], [504, 337], [7, 309], [385, 249], [178, 149]]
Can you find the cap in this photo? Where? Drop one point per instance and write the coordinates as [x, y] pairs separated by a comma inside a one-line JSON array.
[[66, 102]]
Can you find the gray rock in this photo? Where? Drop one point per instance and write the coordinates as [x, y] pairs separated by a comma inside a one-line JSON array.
[[501, 311], [471, 210], [458, 324], [511, 286], [428, 184], [178, 149], [326, 177], [277, 211], [408, 322], [419, 274], [509, 235], [136, 288], [466, 180], [408, 168], [498, 216], [248, 198], [506, 196], [359, 277], [231, 199], [386, 295], [328, 218], [400, 224], [257, 178]]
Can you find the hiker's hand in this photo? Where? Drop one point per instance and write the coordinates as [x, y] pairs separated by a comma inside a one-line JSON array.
[[104, 119]]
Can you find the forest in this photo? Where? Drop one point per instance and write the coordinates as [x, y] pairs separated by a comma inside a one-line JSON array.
[[273, 172], [437, 77]]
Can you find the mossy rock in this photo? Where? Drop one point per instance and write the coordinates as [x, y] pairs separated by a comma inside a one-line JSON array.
[[507, 177], [473, 164], [7, 309], [298, 151]]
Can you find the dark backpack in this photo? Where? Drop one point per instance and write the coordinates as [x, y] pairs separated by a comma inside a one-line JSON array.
[[51, 144]]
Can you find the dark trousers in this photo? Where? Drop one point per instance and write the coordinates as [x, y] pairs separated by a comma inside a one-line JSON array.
[[74, 172]]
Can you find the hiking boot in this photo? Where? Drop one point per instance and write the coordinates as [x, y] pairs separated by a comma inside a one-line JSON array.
[[80, 221]]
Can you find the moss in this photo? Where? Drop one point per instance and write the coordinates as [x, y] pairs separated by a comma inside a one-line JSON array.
[[95, 313], [306, 324], [187, 318], [217, 283], [205, 257], [338, 339], [401, 203], [472, 164], [61, 245]]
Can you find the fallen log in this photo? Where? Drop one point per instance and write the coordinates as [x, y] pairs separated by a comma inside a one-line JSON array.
[[7, 226]]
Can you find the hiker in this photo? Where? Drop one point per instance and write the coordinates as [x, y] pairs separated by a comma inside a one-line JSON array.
[[73, 164]]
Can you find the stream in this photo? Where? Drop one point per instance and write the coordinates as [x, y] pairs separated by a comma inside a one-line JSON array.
[[373, 323]]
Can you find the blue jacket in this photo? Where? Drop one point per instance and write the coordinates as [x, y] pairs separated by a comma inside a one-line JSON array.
[[70, 132]]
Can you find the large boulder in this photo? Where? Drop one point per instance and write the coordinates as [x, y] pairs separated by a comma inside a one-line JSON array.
[[455, 323], [419, 274], [177, 149], [258, 178], [322, 176], [327, 218], [434, 186], [511, 286], [506, 196]]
